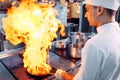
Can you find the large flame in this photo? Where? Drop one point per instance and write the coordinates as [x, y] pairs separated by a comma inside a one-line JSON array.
[[35, 25]]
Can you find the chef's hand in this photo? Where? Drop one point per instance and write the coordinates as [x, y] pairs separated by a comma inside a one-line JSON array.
[[63, 75], [58, 74]]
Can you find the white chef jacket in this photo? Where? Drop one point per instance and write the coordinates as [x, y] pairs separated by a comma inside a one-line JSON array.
[[101, 55]]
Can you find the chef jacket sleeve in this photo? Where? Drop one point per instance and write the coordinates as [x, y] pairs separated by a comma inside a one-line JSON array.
[[90, 60]]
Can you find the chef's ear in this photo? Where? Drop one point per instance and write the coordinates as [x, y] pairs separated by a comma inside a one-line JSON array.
[[100, 10]]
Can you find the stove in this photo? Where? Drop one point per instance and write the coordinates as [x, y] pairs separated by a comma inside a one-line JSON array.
[[14, 70]]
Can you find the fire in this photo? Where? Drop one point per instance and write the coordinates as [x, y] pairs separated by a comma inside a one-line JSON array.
[[1, 0], [35, 25]]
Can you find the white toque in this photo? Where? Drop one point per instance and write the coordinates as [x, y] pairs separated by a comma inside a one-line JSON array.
[[110, 4]]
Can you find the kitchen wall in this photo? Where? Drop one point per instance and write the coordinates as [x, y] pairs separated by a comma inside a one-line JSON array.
[[2, 14]]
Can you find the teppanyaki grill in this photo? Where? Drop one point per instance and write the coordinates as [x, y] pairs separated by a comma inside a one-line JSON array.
[[14, 65]]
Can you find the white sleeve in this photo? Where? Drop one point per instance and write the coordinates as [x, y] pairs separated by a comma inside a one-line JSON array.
[[90, 61]]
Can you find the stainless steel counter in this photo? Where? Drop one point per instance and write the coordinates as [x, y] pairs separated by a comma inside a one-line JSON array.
[[4, 73], [14, 65]]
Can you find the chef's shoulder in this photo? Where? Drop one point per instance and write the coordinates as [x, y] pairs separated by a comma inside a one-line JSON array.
[[95, 41]]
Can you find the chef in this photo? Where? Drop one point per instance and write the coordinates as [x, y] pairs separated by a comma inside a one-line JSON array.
[[101, 54]]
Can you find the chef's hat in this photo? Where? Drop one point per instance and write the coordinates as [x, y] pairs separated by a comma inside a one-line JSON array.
[[110, 4]]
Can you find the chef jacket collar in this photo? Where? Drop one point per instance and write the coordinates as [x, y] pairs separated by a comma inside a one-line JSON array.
[[107, 25]]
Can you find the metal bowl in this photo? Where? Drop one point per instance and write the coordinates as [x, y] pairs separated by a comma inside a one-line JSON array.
[[60, 44], [74, 50]]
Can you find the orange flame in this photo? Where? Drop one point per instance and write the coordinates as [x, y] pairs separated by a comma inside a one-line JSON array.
[[35, 25]]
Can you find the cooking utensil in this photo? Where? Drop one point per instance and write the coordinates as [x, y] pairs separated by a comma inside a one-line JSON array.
[[61, 44], [52, 77], [51, 73], [74, 50], [74, 68], [75, 37]]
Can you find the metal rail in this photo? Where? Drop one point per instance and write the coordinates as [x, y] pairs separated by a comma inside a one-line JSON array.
[[8, 53]]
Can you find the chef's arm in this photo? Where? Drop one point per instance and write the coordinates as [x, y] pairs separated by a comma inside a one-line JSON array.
[[63, 75], [67, 76]]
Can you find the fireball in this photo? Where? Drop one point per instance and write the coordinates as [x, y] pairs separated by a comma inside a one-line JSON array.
[[35, 25]]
